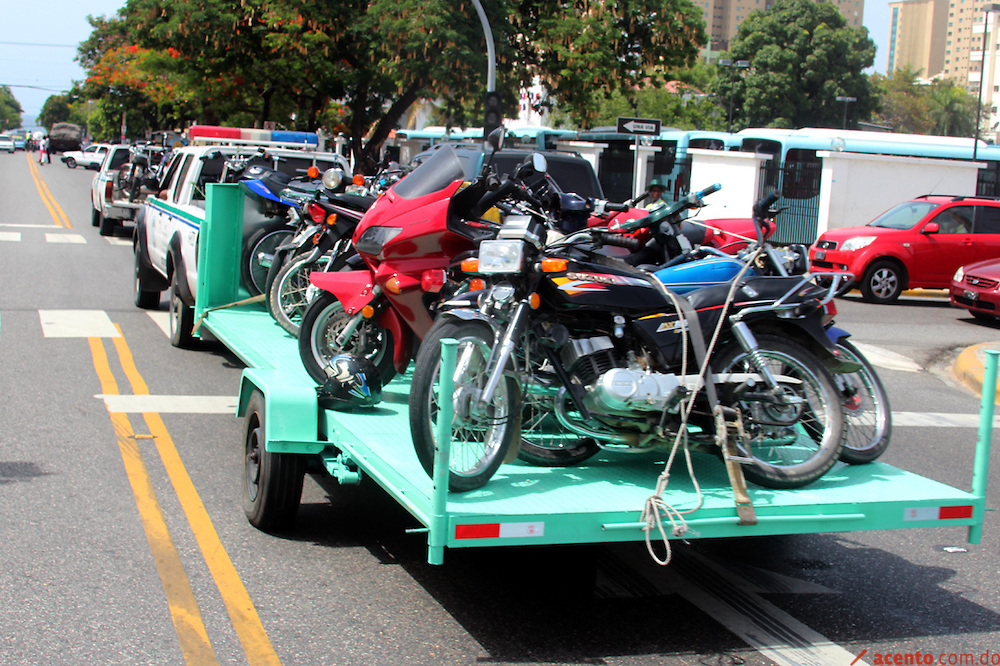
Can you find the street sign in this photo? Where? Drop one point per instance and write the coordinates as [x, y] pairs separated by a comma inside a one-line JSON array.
[[644, 126]]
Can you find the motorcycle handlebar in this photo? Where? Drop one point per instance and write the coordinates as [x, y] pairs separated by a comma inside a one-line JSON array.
[[627, 242], [693, 200], [760, 209]]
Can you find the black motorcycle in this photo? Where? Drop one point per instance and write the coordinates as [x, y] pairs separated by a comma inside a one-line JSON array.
[[572, 350]]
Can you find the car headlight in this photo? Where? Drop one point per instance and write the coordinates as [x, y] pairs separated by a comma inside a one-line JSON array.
[[959, 274], [500, 256], [857, 243]]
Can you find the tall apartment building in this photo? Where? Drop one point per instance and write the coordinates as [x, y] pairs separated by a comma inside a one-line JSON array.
[[944, 38], [723, 17]]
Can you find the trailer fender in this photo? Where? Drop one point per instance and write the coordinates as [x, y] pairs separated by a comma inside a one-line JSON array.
[[291, 410], [354, 289]]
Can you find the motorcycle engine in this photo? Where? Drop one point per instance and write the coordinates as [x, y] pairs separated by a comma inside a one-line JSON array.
[[613, 388]]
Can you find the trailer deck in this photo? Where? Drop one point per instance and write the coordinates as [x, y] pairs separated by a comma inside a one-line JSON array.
[[598, 501]]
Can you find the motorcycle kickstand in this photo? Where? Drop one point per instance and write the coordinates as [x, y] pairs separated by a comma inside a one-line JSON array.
[[729, 430]]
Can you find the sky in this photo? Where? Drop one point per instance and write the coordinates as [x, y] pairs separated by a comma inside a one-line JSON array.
[[38, 40]]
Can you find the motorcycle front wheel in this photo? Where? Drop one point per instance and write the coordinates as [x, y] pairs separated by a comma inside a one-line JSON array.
[[323, 321], [289, 294], [867, 415], [792, 444], [481, 435]]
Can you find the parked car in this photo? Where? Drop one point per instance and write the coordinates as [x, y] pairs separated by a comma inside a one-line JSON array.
[[7, 143], [919, 243], [89, 158], [976, 287], [19, 142]]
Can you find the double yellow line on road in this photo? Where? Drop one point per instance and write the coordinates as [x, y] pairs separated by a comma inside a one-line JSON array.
[[190, 628], [43, 191]]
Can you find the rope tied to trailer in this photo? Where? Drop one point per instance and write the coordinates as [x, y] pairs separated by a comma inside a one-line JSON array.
[[656, 507]]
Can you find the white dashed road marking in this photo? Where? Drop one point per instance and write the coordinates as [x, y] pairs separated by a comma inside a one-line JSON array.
[[77, 324]]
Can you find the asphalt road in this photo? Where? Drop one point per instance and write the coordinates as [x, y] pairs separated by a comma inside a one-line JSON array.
[[122, 538]]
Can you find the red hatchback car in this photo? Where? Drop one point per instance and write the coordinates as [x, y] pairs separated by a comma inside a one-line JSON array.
[[976, 287], [919, 243]]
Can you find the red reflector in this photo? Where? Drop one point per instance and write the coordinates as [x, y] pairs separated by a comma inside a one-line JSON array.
[[317, 213], [953, 512], [489, 531]]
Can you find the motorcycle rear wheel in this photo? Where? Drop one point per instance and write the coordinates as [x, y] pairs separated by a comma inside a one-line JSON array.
[[796, 454], [480, 441], [544, 441], [867, 415], [323, 321]]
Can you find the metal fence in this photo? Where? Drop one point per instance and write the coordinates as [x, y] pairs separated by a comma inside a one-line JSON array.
[[798, 184]]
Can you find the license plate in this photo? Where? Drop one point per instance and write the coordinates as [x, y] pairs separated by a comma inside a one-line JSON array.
[[972, 295], [821, 255]]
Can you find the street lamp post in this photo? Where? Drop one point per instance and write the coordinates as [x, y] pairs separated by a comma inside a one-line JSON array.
[[846, 100], [993, 7], [741, 64]]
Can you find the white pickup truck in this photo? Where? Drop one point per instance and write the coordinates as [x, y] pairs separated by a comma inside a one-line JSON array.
[[111, 207], [165, 241]]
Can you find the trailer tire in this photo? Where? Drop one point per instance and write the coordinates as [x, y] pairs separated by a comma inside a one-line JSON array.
[[272, 482], [107, 226]]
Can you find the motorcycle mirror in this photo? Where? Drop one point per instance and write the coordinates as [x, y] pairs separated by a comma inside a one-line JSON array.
[[539, 162], [332, 178], [495, 139]]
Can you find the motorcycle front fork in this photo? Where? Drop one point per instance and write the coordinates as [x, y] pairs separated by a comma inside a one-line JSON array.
[[352, 324]]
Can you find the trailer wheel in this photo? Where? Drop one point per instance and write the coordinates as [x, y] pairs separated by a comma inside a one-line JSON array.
[[272, 482]]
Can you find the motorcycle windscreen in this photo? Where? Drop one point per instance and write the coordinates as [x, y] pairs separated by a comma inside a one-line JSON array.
[[441, 170]]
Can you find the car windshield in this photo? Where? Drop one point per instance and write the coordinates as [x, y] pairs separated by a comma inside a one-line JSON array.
[[903, 216], [442, 169]]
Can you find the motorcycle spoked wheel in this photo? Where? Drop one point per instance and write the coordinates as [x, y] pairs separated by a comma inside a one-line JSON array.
[[793, 455], [480, 442], [867, 415], [291, 290], [544, 441], [266, 240], [323, 321]]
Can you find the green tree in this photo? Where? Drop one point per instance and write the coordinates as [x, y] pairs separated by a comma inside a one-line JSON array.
[[56, 109], [904, 101], [802, 55], [363, 64], [953, 109], [10, 110]]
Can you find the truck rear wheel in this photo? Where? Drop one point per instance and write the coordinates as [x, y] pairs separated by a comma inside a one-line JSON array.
[[95, 218], [108, 226], [145, 298], [272, 482], [181, 317]]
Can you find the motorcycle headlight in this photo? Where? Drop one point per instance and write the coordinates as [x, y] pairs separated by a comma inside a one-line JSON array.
[[857, 243], [500, 256], [373, 238]]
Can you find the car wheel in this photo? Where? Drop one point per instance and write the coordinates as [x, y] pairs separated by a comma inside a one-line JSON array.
[[883, 282], [70, 162]]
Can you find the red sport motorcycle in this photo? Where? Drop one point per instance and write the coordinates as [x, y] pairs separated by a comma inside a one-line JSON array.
[[410, 243]]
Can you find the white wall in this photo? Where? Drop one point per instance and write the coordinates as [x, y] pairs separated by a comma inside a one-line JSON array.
[[857, 188], [739, 175]]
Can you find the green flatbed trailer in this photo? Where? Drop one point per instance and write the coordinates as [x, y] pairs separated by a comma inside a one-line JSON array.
[[599, 501]]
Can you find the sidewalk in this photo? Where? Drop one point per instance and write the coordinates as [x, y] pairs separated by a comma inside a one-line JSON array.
[[970, 366]]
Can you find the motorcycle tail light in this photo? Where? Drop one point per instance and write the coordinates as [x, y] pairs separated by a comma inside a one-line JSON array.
[[317, 212], [432, 280]]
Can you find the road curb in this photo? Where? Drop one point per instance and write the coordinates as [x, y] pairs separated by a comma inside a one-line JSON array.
[[970, 367]]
